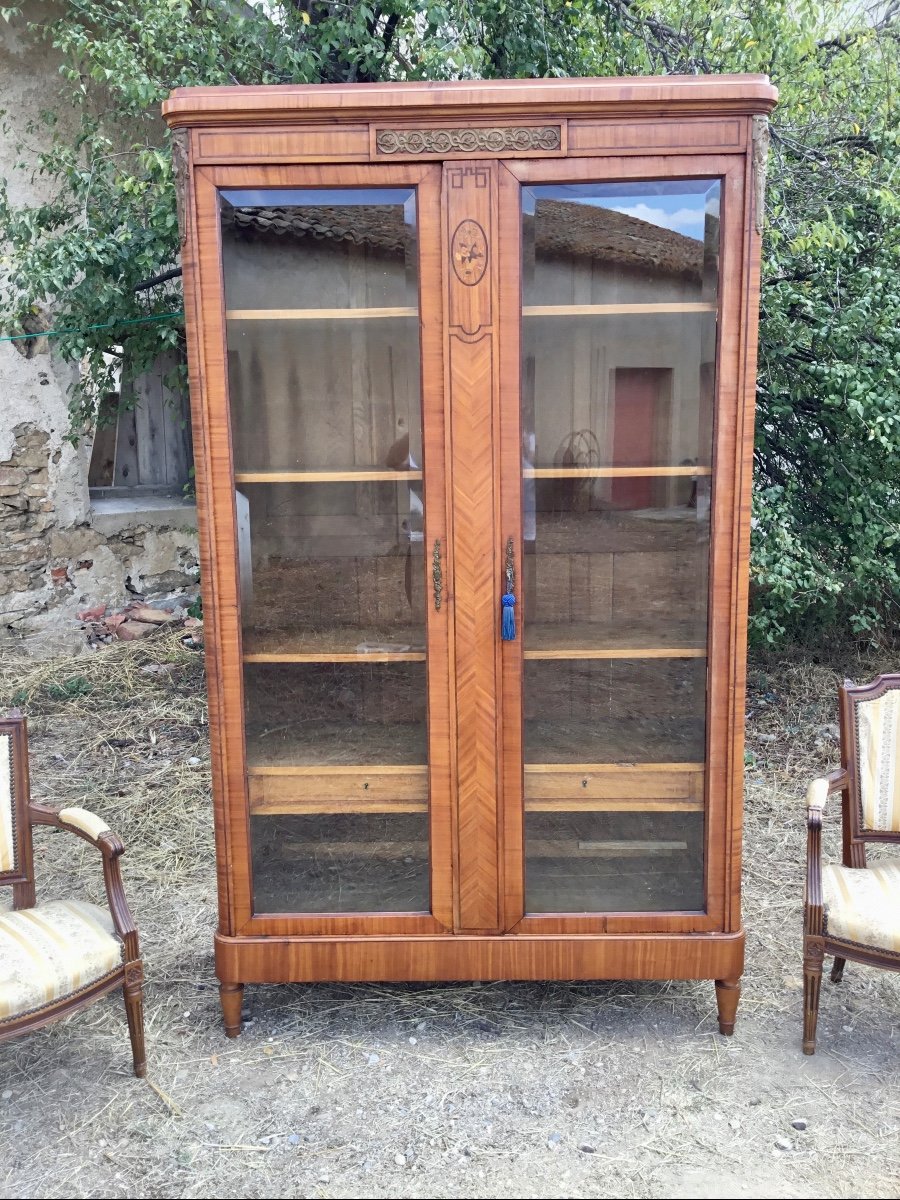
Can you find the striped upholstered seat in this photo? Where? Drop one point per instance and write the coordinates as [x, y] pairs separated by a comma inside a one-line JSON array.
[[862, 905], [53, 950]]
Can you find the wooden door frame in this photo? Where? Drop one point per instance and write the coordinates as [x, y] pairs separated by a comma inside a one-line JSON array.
[[729, 535], [217, 523]]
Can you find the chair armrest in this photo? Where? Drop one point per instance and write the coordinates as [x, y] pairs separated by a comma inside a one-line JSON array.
[[816, 797], [818, 792], [94, 829], [85, 822]]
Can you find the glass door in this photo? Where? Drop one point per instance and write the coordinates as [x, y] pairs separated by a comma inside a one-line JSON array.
[[336, 596], [620, 293]]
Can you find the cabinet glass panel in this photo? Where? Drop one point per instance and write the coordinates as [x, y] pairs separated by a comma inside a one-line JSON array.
[[321, 303], [618, 380]]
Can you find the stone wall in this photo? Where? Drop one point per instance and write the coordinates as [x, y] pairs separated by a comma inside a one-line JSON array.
[[26, 521], [59, 552]]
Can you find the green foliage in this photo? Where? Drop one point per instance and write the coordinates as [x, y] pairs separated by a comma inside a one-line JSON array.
[[69, 689], [73, 688], [825, 548]]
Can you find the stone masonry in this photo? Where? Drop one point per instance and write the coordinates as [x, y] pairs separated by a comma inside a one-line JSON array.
[[26, 516]]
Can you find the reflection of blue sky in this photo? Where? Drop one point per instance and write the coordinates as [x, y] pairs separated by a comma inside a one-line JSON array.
[[683, 214], [679, 205], [687, 219]]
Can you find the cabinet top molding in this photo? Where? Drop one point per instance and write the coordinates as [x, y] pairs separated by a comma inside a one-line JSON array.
[[672, 95]]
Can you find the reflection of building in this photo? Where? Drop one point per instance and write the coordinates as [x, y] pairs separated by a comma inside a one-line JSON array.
[[626, 390], [598, 390], [631, 383]]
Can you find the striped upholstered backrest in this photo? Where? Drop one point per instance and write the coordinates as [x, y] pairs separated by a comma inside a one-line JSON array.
[[9, 859], [878, 745], [7, 808], [15, 832]]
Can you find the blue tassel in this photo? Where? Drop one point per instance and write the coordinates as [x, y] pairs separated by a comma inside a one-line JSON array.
[[508, 628]]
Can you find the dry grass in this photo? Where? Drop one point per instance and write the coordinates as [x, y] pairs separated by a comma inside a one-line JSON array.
[[543, 1090]]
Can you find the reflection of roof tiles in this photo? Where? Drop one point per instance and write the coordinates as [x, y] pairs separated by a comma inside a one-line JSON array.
[[587, 231], [565, 231], [377, 225]]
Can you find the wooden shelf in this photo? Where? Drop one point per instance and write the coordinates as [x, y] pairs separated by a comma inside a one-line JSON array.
[[345, 789], [561, 653], [528, 310], [607, 641], [549, 787], [385, 474], [545, 848], [542, 641], [317, 314], [612, 472], [332, 645], [352, 475], [615, 310]]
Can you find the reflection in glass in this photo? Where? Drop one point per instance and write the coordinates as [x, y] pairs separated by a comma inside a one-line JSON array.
[[619, 346], [321, 303], [344, 864]]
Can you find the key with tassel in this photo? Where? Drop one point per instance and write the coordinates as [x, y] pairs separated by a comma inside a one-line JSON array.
[[508, 599]]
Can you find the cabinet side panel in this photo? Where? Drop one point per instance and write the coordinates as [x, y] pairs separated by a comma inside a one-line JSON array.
[[746, 401], [212, 451], [729, 562]]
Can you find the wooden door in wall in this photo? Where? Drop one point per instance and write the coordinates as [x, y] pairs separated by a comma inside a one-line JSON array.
[[332, 392], [639, 425]]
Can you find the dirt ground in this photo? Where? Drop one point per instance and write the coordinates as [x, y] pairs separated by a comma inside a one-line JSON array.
[[468, 1090]]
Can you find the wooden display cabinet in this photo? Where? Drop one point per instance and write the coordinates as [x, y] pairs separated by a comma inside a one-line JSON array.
[[449, 343]]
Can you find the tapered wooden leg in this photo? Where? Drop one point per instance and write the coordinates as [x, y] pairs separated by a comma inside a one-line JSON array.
[[232, 997], [813, 955], [837, 971], [133, 991], [728, 992]]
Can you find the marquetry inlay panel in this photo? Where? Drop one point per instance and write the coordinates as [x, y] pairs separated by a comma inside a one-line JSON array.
[[469, 252], [497, 139], [468, 195]]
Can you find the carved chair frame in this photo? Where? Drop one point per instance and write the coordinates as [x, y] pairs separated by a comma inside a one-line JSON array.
[[129, 975], [817, 942]]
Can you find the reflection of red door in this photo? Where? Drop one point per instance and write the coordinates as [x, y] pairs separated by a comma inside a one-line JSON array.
[[640, 406]]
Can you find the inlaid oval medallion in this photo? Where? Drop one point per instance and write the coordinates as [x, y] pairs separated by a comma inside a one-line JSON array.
[[469, 252]]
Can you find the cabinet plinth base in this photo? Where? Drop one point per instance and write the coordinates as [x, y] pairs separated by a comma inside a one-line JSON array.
[[715, 956]]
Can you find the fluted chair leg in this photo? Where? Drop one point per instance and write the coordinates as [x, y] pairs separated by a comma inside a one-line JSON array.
[[134, 1010], [812, 985]]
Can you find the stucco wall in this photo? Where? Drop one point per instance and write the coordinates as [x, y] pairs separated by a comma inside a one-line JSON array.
[[58, 554]]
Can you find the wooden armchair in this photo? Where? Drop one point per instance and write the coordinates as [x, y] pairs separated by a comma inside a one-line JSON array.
[[58, 957], [853, 910]]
